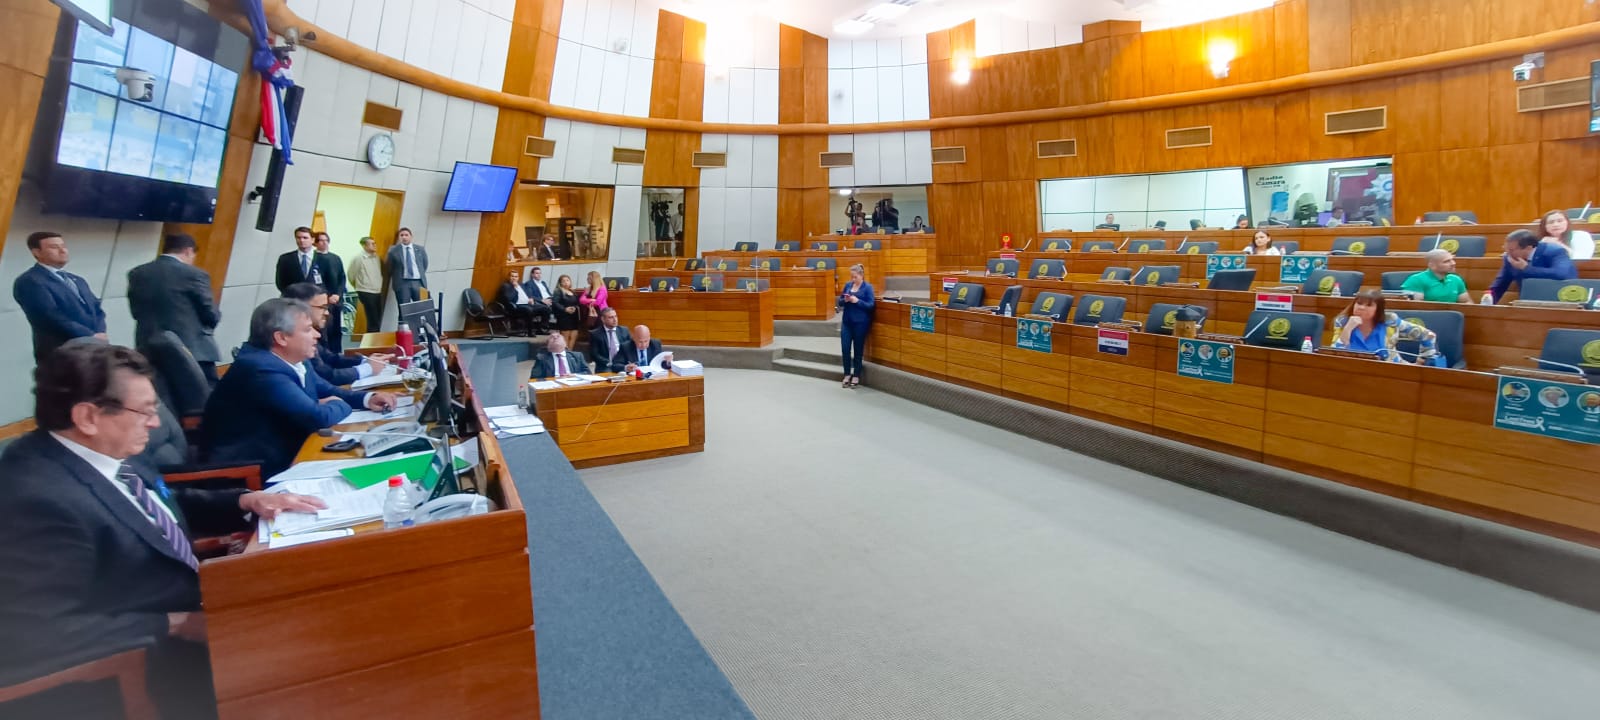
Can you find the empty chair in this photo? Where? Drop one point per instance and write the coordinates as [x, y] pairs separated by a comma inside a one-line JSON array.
[[965, 296], [706, 282], [753, 284], [1117, 273], [1057, 245], [770, 264], [1099, 246], [1393, 280], [1196, 223], [1287, 247], [1010, 299], [1449, 328], [472, 305], [867, 245], [1198, 247], [182, 385], [1164, 315], [822, 264], [1458, 245], [1144, 246], [787, 246], [746, 246], [1096, 309], [617, 282], [1054, 304], [1271, 328], [693, 264], [1157, 274], [1051, 269], [725, 265], [664, 284], [1375, 245], [1322, 282], [1450, 216], [825, 246], [1579, 291], [1580, 348], [1232, 279], [1003, 266]]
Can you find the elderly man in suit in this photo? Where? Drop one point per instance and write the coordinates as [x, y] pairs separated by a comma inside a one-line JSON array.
[[59, 305], [95, 553], [556, 360], [640, 349], [270, 400], [408, 268], [303, 264], [170, 293]]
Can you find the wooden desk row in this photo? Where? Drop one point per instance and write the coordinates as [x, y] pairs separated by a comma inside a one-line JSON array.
[[796, 294], [606, 424], [1422, 434], [728, 319], [1495, 335], [430, 621], [904, 253], [1402, 238], [872, 260]]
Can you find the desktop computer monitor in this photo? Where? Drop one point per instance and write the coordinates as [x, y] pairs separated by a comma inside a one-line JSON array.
[[421, 316]]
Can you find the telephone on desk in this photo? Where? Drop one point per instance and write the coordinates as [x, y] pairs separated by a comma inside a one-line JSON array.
[[449, 507]]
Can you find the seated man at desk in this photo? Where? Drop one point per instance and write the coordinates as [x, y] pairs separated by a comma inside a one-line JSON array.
[[270, 401], [1439, 283], [1525, 257], [95, 552], [337, 369], [640, 349], [520, 304], [557, 360], [606, 344]]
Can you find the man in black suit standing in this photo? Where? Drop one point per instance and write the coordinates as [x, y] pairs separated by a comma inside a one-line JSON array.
[[302, 264], [608, 344], [334, 283], [170, 293], [59, 305], [408, 268], [95, 553]]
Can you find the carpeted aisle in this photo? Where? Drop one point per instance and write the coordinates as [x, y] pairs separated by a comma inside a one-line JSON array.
[[853, 555]]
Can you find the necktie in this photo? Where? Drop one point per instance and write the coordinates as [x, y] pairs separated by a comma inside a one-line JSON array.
[[169, 528], [642, 360], [305, 266], [561, 364], [411, 264], [66, 277], [615, 341]]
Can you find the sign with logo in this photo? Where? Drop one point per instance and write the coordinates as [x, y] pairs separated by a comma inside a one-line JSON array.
[[1573, 293], [705, 282], [949, 284], [1215, 262], [662, 285], [1008, 256], [1113, 342], [1033, 334], [1057, 245], [1204, 360], [922, 318], [1358, 247], [770, 264], [961, 293], [1096, 307], [867, 245], [821, 265], [1041, 269], [1451, 244], [1278, 328], [1296, 269], [1553, 409], [1275, 303]]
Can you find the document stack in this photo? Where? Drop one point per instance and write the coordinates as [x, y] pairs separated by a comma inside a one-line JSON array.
[[688, 368]]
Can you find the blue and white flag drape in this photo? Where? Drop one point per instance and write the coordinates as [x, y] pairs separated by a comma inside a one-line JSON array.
[[275, 79]]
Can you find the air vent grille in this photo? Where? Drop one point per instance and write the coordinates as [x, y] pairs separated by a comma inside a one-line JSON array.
[[1345, 122], [627, 156], [836, 159], [950, 155], [539, 147], [709, 160], [1057, 148], [1189, 137], [1552, 95]]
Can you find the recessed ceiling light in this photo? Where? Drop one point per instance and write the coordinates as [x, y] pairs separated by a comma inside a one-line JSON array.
[[852, 27], [845, 192], [887, 11]]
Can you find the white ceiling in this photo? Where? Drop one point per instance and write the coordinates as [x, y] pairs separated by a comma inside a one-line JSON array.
[[820, 16]]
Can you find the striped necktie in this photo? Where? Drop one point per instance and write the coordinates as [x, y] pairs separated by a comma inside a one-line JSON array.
[[169, 528]]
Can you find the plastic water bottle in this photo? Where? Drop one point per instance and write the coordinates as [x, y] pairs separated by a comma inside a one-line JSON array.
[[1487, 299], [397, 505], [1336, 292], [1306, 346]]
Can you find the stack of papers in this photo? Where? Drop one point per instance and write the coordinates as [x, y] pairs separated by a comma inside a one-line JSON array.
[[544, 385], [510, 420], [573, 381], [688, 368], [347, 506], [389, 376]]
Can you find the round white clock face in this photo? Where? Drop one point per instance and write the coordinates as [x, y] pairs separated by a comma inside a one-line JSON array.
[[380, 151]]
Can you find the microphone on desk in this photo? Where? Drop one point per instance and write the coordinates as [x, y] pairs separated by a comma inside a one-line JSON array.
[[1576, 370]]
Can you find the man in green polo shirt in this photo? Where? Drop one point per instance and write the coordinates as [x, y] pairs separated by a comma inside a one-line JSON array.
[[1439, 283]]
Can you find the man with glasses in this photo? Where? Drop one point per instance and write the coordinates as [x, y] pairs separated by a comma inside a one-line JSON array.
[[95, 554], [336, 368]]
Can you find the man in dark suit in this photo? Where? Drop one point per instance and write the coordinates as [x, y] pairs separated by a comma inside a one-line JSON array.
[[608, 344], [556, 360], [408, 268], [270, 401], [334, 282], [641, 350], [302, 264], [95, 553], [1526, 257], [519, 302], [59, 305], [548, 249], [170, 293], [336, 368]]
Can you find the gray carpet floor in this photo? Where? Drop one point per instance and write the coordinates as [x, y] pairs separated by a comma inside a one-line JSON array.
[[852, 555]]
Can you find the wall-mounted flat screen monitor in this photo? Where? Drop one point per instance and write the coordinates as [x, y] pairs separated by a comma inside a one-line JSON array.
[[97, 13], [479, 188]]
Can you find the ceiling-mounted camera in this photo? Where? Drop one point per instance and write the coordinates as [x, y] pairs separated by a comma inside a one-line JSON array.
[[141, 85]]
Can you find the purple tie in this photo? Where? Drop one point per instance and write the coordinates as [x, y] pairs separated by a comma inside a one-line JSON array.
[[561, 365], [163, 520]]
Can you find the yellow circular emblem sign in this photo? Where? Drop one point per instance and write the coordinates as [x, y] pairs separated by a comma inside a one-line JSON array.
[[1194, 249], [1048, 302], [1591, 353], [1095, 308], [1358, 247], [1172, 317], [1572, 293], [1152, 278], [1278, 328], [1450, 244], [1325, 286]]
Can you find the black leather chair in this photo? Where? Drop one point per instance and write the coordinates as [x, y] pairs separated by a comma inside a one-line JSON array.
[[1057, 245], [1056, 305], [1375, 245], [1002, 266], [693, 264], [1099, 246], [1285, 330], [1198, 247], [769, 264], [472, 304], [725, 265], [825, 246], [1287, 247], [1578, 290], [1117, 273], [1164, 315], [1568, 346], [617, 282], [1096, 309], [1157, 275], [753, 284], [1449, 328], [664, 284], [1323, 281], [1393, 280], [1010, 299], [1459, 245], [1232, 279], [1144, 246], [787, 246], [1047, 269], [706, 282], [179, 382], [746, 246], [1577, 214], [965, 296], [822, 264]]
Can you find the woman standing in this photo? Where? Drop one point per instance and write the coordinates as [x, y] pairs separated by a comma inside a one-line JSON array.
[[1260, 244], [1555, 227], [1367, 327], [593, 300], [856, 303], [566, 302]]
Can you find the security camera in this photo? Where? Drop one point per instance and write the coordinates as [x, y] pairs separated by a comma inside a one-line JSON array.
[[141, 86], [1522, 72]]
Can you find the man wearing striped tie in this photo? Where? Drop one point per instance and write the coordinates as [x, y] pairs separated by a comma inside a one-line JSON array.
[[95, 553]]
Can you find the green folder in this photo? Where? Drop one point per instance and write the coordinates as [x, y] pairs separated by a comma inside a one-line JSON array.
[[418, 468]]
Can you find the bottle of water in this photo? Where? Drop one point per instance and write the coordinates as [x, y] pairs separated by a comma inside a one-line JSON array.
[[1336, 292], [397, 504], [1306, 346]]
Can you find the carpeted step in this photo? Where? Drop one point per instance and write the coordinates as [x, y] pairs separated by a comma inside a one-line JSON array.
[[815, 356], [806, 328], [824, 371], [906, 283]]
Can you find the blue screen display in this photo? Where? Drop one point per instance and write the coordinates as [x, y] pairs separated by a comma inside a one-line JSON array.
[[479, 188]]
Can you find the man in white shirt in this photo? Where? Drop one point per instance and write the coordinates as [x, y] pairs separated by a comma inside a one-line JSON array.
[[520, 303]]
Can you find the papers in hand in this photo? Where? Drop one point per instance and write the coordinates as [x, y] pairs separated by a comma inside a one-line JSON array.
[[346, 506]]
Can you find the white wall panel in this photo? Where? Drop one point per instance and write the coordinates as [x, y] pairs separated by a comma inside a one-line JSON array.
[[419, 32], [741, 95], [1013, 35], [304, 8], [1225, 188], [497, 47], [889, 53], [919, 158], [630, 174], [637, 101], [446, 32], [764, 216], [470, 40], [430, 124], [736, 218], [591, 68], [614, 84], [715, 108], [364, 27], [601, 168], [1041, 36], [1130, 192], [555, 167], [764, 33], [581, 145], [504, 9], [741, 157], [619, 26], [646, 16], [845, 176], [865, 95], [914, 50], [840, 55], [393, 26], [457, 129], [1069, 195], [624, 231], [713, 204], [868, 168], [766, 97], [464, 243], [764, 171], [1177, 191], [892, 159], [988, 37], [915, 79], [480, 144], [383, 89], [596, 21], [349, 101], [891, 101], [863, 53], [841, 105], [714, 177], [409, 99], [334, 16], [572, 16]]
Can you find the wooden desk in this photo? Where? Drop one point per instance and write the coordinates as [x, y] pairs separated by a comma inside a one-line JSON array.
[[1402, 238], [1421, 434], [872, 260], [904, 253], [685, 317], [430, 621], [796, 294], [606, 424]]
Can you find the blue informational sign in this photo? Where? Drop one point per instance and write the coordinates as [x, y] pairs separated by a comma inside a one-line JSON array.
[[1206, 360], [1297, 269], [1215, 262], [1559, 410], [1033, 334], [922, 318]]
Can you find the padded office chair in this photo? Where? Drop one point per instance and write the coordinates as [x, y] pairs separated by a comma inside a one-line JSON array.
[[1232, 279], [724, 265], [472, 305], [179, 382], [1196, 223], [664, 284], [1198, 247], [617, 282], [1375, 245], [1449, 327], [965, 296], [1099, 246], [867, 245], [1057, 245], [1096, 309], [1287, 247], [1323, 281], [1010, 299], [822, 264], [1116, 272], [770, 264], [753, 284], [1285, 330], [1578, 290], [1393, 280], [1048, 269], [119, 668], [1572, 347], [706, 282], [1157, 275], [1164, 315], [787, 246], [1144, 246], [1577, 214], [1450, 216], [693, 264], [824, 246], [1003, 266], [746, 246], [1054, 304], [1459, 245]]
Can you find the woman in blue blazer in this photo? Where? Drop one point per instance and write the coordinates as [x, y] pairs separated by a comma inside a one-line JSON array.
[[855, 302]]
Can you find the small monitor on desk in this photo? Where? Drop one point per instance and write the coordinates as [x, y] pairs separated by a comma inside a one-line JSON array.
[[421, 315]]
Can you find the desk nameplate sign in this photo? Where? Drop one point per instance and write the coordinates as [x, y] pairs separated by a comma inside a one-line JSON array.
[[1274, 302], [1034, 335], [1564, 411], [1204, 360], [1112, 342], [949, 283]]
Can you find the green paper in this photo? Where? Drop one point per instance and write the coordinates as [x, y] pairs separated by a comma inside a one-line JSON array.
[[417, 468]]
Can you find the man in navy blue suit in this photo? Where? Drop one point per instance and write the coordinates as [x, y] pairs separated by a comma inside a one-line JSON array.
[[270, 400], [334, 367], [59, 305], [1525, 257]]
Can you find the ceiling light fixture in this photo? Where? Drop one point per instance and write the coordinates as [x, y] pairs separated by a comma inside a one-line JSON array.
[[886, 11], [852, 27], [845, 192]]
